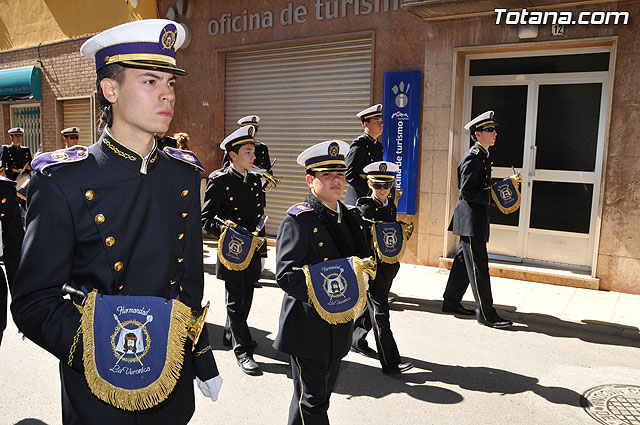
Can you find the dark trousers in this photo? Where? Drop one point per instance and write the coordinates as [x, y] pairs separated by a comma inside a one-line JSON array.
[[313, 383], [81, 407], [239, 296], [376, 317], [471, 265]]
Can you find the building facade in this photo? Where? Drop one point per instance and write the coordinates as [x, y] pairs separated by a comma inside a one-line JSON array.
[[564, 94]]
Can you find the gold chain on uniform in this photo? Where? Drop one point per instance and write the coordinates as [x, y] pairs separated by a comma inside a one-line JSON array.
[[118, 151], [73, 346], [204, 350]]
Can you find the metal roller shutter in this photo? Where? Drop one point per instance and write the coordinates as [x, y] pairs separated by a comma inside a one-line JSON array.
[[77, 113], [304, 95]]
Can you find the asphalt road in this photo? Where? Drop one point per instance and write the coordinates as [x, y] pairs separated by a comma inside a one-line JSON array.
[[465, 373]]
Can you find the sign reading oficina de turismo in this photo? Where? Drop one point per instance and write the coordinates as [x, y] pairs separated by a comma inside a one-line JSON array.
[[401, 136]]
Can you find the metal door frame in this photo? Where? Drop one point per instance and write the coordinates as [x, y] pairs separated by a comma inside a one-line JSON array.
[[529, 174]]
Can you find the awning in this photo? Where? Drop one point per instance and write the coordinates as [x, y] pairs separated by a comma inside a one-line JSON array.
[[20, 84]]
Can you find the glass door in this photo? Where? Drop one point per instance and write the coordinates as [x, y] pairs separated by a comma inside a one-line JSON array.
[[552, 131], [28, 117]]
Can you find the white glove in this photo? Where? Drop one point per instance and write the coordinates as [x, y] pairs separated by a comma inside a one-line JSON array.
[[211, 387]]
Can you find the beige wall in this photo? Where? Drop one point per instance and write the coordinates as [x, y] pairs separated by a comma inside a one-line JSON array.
[[30, 22]]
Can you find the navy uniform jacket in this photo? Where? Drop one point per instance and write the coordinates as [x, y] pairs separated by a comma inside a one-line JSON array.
[[106, 219], [363, 151], [229, 197], [471, 214], [262, 158], [12, 234], [304, 240], [14, 158], [372, 209]]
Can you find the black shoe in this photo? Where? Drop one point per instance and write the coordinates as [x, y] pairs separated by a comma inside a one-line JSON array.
[[391, 299], [249, 366], [401, 367], [496, 322], [365, 351], [456, 308]]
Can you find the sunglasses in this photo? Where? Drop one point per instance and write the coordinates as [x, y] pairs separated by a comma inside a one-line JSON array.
[[382, 185], [487, 129]]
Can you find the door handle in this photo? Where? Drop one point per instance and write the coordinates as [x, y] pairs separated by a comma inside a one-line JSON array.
[[532, 172]]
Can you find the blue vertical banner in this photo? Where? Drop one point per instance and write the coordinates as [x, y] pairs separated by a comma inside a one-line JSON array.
[[401, 135]]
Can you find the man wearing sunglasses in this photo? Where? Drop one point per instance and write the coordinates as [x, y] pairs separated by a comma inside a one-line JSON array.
[[471, 222], [70, 136], [380, 208], [363, 151]]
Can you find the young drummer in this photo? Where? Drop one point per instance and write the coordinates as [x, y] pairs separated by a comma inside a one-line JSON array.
[[380, 208]]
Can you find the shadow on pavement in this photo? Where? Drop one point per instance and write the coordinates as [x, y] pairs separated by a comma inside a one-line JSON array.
[[593, 331], [357, 380], [415, 383], [488, 380], [264, 347]]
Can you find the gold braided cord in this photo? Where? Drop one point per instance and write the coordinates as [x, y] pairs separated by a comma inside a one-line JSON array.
[[376, 246], [345, 316], [141, 57], [159, 390], [75, 343], [255, 244], [118, 151], [204, 350]]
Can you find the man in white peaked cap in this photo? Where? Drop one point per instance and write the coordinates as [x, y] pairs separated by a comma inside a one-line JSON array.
[[319, 229], [363, 151], [235, 193], [70, 136], [14, 158], [471, 222], [107, 209]]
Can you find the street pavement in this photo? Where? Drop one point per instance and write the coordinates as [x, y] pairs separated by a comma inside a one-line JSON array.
[[565, 341]]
